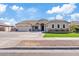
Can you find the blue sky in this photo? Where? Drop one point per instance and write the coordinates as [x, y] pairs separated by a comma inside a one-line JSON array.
[[17, 12]]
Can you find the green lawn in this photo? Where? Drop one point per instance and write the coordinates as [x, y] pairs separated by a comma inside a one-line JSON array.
[[61, 35]]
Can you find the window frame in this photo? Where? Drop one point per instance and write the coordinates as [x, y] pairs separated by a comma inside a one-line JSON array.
[[52, 25], [64, 26], [58, 26]]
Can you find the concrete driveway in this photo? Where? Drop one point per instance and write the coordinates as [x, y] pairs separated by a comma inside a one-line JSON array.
[[20, 34], [10, 39]]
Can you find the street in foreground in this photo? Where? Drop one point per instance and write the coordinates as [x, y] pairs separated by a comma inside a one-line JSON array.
[[39, 52]]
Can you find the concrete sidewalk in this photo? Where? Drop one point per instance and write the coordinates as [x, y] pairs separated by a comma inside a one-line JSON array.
[[62, 38], [38, 43]]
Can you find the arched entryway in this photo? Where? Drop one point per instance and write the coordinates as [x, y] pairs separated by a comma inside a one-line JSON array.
[[42, 27]]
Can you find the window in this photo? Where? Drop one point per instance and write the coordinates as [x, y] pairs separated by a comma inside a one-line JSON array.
[[63, 25], [58, 26], [52, 25]]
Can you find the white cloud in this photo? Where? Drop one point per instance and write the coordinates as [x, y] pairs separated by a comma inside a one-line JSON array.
[[75, 17], [17, 8], [54, 10], [3, 7], [66, 9], [59, 17]]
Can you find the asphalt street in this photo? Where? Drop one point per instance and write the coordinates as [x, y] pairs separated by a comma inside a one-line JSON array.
[[39, 52]]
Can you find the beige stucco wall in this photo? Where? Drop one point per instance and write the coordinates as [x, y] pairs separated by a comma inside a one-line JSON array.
[[24, 28], [55, 25]]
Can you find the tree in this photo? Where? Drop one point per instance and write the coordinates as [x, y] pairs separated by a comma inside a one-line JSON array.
[[73, 27]]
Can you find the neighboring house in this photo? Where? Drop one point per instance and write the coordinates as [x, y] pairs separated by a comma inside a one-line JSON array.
[[43, 25], [5, 27]]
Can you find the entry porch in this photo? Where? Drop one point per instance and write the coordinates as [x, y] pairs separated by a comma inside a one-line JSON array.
[[38, 27]]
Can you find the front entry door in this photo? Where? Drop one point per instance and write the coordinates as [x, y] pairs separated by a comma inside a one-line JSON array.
[[42, 27]]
